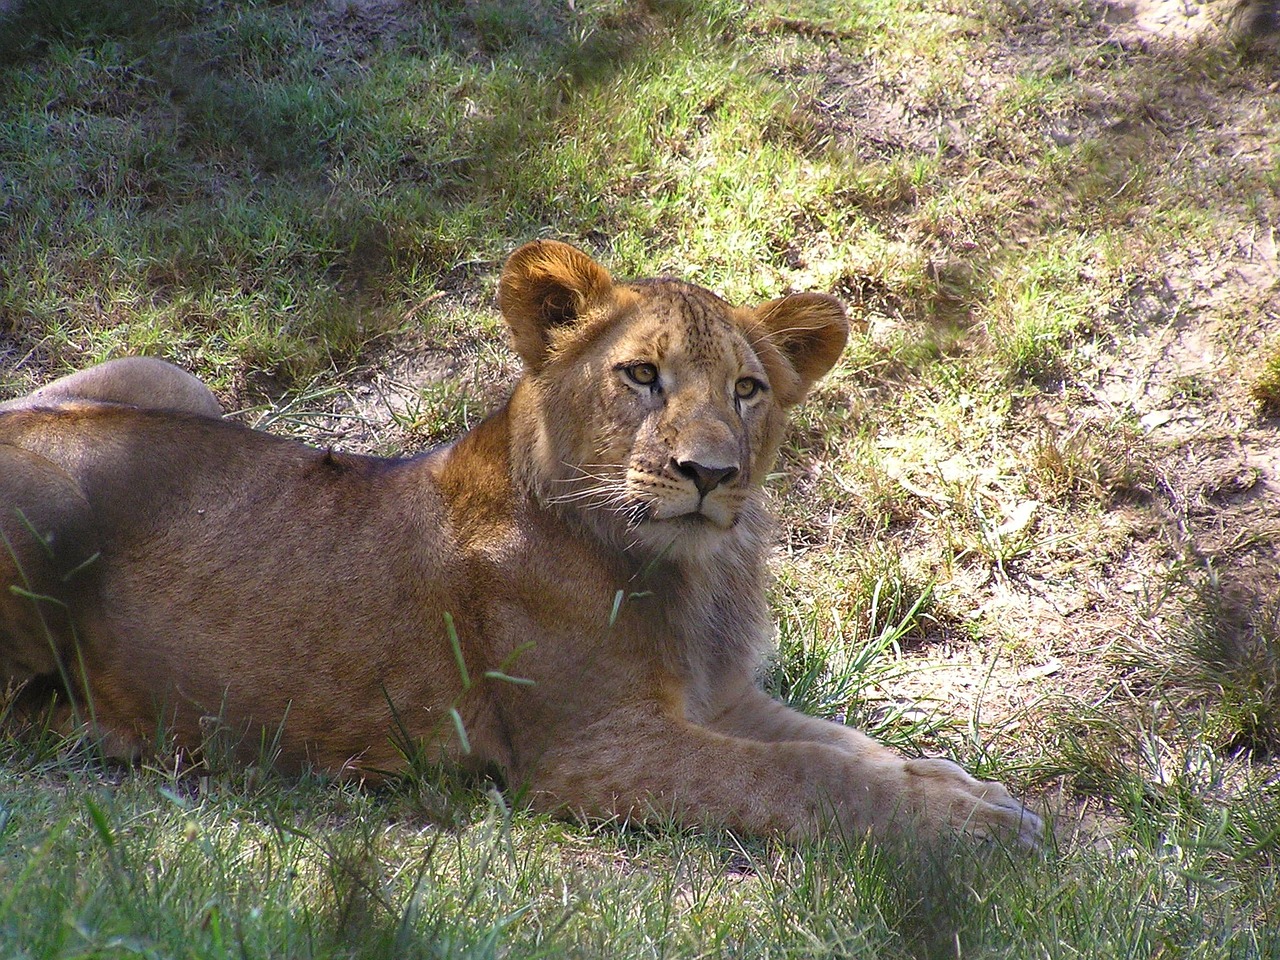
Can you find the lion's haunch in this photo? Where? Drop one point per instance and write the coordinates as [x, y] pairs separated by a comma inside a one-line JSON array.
[[579, 580]]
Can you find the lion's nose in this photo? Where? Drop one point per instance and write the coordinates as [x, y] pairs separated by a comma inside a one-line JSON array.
[[704, 478]]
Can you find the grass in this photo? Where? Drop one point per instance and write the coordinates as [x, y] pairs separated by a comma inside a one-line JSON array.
[[141, 865], [989, 551], [1222, 657], [1266, 388]]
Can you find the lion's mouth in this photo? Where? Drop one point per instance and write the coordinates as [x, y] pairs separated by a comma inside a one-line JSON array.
[[695, 519], [692, 511]]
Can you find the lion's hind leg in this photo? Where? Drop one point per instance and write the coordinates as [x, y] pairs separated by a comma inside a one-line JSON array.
[[143, 382], [47, 551]]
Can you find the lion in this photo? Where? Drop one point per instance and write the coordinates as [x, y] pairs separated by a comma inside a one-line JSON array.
[[571, 596]]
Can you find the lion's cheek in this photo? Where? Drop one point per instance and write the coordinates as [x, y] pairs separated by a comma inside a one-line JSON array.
[[765, 439]]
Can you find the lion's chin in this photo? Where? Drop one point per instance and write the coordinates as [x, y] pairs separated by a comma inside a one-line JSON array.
[[692, 520], [715, 521]]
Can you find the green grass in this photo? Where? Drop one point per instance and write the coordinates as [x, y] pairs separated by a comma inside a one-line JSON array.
[[285, 198], [1266, 386], [141, 863]]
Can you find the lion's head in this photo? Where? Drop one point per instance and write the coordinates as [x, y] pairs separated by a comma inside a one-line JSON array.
[[660, 406]]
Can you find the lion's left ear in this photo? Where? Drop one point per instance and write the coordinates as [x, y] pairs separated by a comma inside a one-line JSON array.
[[809, 330], [547, 285]]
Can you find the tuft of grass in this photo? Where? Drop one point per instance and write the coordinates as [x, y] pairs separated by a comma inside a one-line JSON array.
[[438, 414], [840, 668], [1220, 654], [1265, 387], [1038, 308], [1091, 460]]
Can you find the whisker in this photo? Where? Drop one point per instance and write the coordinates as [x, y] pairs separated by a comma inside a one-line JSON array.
[[598, 495], [607, 472], [601, 494]]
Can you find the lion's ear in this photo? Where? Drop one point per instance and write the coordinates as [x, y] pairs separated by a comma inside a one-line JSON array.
[[809, 330], [544, 286]]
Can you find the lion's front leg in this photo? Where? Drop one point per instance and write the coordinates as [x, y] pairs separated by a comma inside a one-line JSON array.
[[639, 763], [741, 709], [947, 796]]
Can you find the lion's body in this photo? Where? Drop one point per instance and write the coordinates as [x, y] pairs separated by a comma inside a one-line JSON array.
[[600, 538]]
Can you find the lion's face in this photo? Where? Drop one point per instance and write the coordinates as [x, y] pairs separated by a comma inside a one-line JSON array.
[[680, 422], [660, 406]]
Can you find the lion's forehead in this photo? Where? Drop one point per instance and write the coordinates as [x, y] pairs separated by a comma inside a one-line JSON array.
[[679, 323]]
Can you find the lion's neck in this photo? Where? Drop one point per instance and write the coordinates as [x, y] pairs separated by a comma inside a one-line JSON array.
[[716, 608]]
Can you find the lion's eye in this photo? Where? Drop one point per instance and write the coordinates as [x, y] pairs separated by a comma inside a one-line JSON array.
[[644, 374], [746, 388]]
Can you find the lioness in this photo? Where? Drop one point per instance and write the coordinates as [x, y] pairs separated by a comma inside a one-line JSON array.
[[571, 594]]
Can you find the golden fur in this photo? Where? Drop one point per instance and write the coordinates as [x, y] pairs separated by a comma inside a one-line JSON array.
[[601, 537]]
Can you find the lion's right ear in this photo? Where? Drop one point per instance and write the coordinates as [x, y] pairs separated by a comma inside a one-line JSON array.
[[547, 285]]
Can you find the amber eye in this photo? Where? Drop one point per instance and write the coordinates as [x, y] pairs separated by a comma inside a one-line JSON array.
[[644, 374], [746, 388]]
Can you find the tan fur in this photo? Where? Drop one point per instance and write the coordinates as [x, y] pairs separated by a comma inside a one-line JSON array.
[[600, 536]]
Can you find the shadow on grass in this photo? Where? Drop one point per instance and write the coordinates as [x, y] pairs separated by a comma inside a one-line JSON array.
[[347, 151]]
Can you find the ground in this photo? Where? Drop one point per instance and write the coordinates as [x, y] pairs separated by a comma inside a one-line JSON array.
[[1029, 521]]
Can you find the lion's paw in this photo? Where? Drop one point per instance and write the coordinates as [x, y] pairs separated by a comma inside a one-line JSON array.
[[954, 800]]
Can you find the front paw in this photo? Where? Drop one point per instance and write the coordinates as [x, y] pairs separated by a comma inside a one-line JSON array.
[[950, 800]]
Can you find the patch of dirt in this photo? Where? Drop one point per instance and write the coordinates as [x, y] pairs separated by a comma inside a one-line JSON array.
[[410, 393], [371, 410], [354, 29], [857, 112], [1169, 19]]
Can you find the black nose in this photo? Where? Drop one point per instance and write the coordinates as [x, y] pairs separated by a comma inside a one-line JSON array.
[[704, 478]]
